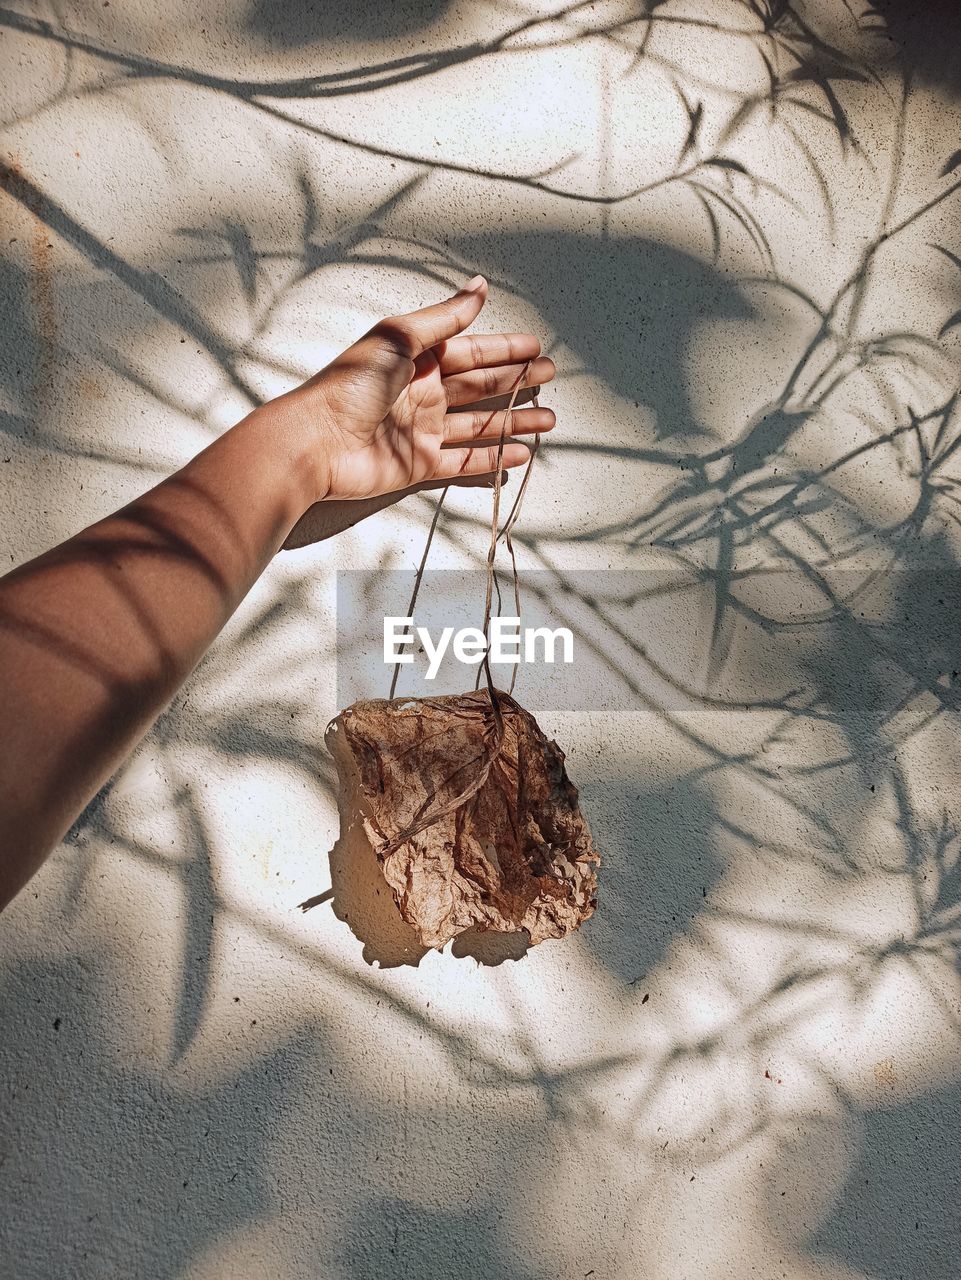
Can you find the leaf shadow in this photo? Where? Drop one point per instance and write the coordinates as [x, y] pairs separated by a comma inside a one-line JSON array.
[[628, 307]]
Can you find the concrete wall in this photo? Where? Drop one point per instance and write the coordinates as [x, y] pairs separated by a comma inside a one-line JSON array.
[[736, 237]]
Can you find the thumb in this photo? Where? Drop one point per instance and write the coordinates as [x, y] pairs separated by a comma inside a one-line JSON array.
[[412, 334]]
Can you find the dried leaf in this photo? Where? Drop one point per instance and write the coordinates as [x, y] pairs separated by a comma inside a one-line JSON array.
[[474, 821]]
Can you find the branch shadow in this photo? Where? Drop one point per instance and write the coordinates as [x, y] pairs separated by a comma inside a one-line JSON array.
[[429, 1242], [927, 39], [89, 1142], [659, 864], [307, 22], [899, 1214], [627, 307]]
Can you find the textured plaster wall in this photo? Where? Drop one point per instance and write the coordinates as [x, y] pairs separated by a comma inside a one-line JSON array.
[[736, 225]]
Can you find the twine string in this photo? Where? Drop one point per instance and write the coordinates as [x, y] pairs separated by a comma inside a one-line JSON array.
[[496, 535], [430, 812]]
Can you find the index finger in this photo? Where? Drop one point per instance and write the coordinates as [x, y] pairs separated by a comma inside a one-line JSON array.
[[417, 331]]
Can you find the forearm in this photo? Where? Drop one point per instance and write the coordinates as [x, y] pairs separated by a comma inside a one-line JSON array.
[[97, 635]]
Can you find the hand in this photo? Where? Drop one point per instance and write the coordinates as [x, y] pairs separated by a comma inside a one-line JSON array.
[[394, 410]]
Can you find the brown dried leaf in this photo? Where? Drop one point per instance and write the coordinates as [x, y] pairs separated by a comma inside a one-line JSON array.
[[474, 823]]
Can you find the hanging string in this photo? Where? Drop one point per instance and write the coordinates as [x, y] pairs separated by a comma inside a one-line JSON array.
[[506, 534], [419, 577], [496, 535], [430, 812]]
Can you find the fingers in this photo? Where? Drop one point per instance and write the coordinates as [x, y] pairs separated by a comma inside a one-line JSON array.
[[477, 350], [461, 428], [477, 480], [516, 398], [410, 335], [470, 462], [496, 380]]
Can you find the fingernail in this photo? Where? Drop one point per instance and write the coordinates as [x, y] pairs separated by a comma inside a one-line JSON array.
[[472, 286]]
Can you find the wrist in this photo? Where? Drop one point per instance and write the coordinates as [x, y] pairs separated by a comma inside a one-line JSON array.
[[295, 435]]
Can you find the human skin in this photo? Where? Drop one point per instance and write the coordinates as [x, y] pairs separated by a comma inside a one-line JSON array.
[[97, 634]]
